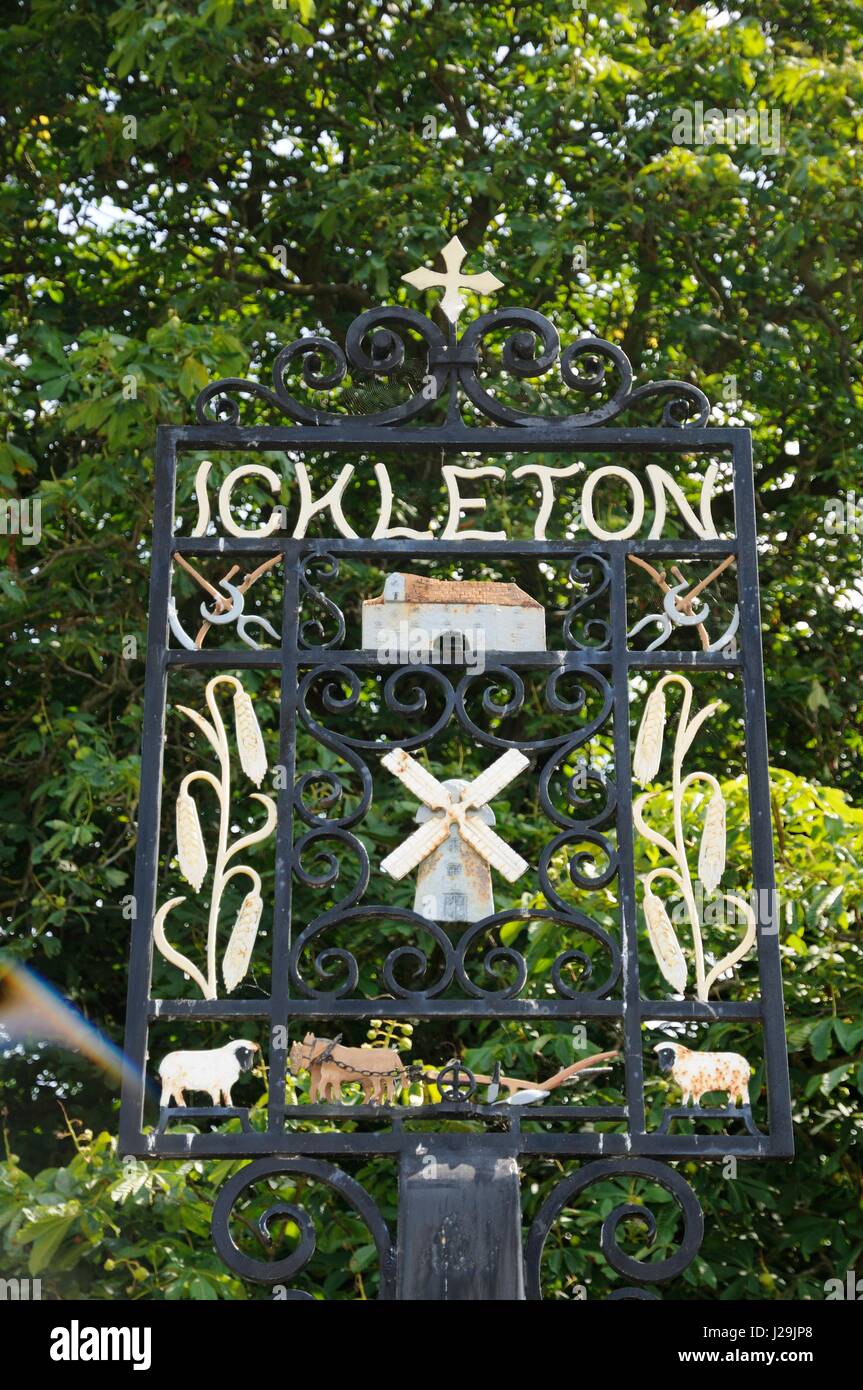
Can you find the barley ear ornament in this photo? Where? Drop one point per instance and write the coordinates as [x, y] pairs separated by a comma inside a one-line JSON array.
[[238, 953], [192, 850], [663, 941], [646, 760], [648, 744]]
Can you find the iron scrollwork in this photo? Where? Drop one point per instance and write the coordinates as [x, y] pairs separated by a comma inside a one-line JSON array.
[[375, 348], [275, 1271], [643, 1271], [311, 631], [595, 628]]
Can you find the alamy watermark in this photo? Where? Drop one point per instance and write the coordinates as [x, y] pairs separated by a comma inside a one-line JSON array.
[[843, 516], [77, 1343], [20, 1290], [849, 1289], [735, 126], [21, 516], [729, 910], [410, 645]]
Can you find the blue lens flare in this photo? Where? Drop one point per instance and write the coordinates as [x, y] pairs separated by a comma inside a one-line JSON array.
[[33, 1012]]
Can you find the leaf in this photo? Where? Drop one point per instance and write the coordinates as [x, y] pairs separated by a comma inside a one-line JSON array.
[[203, 724], [170, 953], [130, 1184], [201, 1289], [193, 377], [817, 697], [510, 932], [54, 389], [821, 1039], [743, 947], [255, 836], [363, 1258], [11, 589], [695, 723], [49, 1240], [849, 1034], [831, 1079]]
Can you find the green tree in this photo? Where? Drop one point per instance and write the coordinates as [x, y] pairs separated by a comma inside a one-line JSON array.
[[190, 184]]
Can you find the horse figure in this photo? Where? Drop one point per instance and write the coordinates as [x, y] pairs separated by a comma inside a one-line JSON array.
[[379, 1070]]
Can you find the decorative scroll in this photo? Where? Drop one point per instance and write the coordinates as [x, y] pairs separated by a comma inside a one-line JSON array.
[[407, 692], [711, 858], [280, 1271], [338, 968], [375, 348], [426, 964], [644, 1271], [312, 631], [596, 631], [191, 849]]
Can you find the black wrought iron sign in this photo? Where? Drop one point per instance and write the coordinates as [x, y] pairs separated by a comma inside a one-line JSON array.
[[555, 858]]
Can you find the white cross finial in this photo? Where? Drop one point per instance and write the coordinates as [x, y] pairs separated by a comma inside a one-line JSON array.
[[453, 281]]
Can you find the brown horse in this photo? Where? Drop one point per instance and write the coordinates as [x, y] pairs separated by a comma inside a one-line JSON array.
[[378, 1070]]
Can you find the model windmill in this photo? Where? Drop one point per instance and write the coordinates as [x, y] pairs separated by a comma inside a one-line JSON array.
[[455, 846]]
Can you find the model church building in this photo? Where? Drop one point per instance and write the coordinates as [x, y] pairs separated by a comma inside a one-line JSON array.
[[415, 612]]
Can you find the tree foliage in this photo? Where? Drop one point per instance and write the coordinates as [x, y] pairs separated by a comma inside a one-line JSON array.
[[189, 185]]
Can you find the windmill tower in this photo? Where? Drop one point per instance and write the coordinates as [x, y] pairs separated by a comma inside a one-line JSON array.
[[454, 847]]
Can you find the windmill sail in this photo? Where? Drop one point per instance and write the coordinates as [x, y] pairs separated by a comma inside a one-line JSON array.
[[416, 848], [491, 782], [417, 780], [492, 848]]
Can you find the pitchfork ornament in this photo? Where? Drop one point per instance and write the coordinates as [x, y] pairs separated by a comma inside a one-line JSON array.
[[455, 844]]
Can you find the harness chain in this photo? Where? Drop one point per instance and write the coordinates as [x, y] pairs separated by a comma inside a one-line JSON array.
[[327, 1056]]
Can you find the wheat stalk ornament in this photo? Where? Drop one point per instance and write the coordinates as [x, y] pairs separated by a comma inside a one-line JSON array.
[[192, 852], [646, 761]]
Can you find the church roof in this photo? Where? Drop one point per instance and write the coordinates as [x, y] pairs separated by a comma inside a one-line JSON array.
[[418, 588]]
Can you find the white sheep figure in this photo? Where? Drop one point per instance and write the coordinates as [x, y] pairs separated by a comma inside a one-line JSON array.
[[696, 1073], [215, 1070]]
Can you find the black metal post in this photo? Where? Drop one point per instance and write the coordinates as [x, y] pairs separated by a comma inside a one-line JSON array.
[[459, 1232]]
